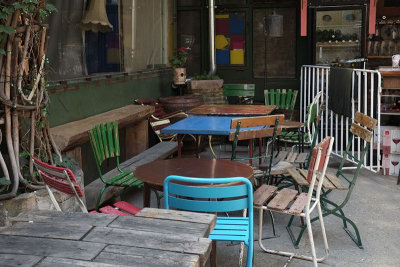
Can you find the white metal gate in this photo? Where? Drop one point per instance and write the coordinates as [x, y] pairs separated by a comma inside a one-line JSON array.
[[366, 91]]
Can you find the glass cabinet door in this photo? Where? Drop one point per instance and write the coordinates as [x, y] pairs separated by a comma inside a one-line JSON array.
[[338, 35]]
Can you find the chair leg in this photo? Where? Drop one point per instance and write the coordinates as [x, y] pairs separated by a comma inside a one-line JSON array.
[[99, 197], [311, 237]]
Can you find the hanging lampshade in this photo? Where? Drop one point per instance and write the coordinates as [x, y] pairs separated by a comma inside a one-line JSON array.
[[95, 18]]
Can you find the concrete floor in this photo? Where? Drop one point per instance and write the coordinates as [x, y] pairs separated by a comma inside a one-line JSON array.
[[374, 207]]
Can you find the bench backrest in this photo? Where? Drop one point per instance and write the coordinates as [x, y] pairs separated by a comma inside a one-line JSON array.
[[281, 98]]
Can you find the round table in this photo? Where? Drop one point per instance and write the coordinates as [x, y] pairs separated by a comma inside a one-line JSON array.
[[153, 174]]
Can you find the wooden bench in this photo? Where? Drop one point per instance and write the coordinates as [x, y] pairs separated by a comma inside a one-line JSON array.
[[159, 151], [70, 136]]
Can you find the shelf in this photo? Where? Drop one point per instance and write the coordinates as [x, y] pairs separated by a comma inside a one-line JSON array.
[[391, 95], [390, 113], [338, 44], [379, 57]]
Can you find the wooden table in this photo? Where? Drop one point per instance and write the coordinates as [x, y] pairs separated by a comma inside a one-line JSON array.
[[154, 173], [232, 110], [153, 237]]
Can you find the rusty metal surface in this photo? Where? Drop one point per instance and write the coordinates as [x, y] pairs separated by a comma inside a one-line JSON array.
[[232, 110], [155, 172]]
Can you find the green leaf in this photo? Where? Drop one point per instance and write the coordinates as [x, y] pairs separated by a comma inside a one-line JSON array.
[[18, 5], [51, 8], [3, 15], [31, 1], [8, 10], [2, 51], [6, 29], [4, 181]]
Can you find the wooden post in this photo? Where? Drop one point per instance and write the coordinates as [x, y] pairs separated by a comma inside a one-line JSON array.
[[136, 139]]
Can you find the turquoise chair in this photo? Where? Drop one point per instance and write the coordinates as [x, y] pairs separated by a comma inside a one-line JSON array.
[[236, 194]]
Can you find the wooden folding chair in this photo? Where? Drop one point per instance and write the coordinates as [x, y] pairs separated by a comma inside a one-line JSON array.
[[283, 99], [64, 181], [291, 202], [362, 127]]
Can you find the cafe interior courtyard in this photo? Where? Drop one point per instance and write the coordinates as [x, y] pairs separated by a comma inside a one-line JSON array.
[[101, 100]]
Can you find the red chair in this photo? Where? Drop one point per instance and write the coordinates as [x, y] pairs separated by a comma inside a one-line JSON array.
[[63, 180]]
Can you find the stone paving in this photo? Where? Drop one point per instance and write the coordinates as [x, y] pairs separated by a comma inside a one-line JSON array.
[[375, 208]]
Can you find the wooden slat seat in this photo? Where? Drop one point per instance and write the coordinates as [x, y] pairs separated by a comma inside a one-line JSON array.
[[331, 182], [287, 201]]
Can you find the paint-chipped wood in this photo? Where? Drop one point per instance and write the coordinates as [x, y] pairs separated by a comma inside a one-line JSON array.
[[299, 204], [335, 181], [298, 177], [365, 120], [281, 155], [361, 132], [252, 134], [263, 194], [325, 183], [256, 121], [301, 158], [282, 199]]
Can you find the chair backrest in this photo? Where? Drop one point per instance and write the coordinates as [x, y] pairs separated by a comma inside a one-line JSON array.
[[281, 98], [60, 179], [363, 127], [104, 140], [266, 122], [318, 164]]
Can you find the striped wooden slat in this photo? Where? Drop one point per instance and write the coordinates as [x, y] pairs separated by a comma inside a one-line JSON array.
[[301, 158], [298, 177], [110, 140], [292, 157], [282, 200], [262, 194], [326, 184], [116, 139], [103, 132], [281, 155], [299, 204], [283, 99], [335, 181]]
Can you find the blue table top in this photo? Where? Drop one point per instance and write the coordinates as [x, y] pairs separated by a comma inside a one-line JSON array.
[[207, 125]]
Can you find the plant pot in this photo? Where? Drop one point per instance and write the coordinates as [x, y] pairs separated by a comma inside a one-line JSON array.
[[184, 103], [179, 75]]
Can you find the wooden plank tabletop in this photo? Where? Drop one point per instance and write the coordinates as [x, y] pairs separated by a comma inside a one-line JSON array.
[[153, 238], [75, 133]]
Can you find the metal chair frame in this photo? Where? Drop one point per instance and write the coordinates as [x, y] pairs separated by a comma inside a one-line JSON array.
[[216, 195], [318, 165], [104, 140], [363, 130]]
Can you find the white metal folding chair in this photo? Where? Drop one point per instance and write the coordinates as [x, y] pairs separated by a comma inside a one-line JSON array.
[[291, 202]]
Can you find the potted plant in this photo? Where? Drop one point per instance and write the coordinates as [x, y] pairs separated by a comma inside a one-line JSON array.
[[178, 64]]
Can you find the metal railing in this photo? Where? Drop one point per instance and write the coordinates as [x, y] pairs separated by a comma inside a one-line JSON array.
[[366, 91]]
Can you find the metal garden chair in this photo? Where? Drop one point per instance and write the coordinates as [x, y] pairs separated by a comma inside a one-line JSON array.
[[104, 140], [362, 130], [291, 202], [64, 181], [216, 195], [283, 99]]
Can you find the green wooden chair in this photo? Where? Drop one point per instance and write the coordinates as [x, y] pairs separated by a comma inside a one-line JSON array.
[[239, 93], [104, 140], [283, 99], [361, 133]]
